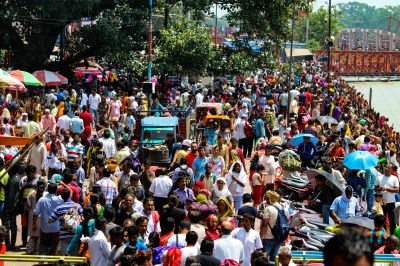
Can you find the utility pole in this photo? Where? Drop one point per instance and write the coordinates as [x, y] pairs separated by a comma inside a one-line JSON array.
[[150, 40], [329, 36], [216, 24], [290, 66], [307, 27]]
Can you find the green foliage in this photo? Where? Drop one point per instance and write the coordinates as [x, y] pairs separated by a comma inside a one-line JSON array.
[[116, 37], [318, 26], [361, 15], [313, 45], [31, 28], [264, 18], [184, 48]]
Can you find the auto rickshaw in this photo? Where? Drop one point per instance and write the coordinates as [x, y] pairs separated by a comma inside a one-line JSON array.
[[205, 109], [213, 123]]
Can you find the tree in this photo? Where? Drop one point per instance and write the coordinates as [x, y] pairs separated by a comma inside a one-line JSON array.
[[313, 45], [264, 18], [116, 38], [184, 48], [31, 28], [318, 26]]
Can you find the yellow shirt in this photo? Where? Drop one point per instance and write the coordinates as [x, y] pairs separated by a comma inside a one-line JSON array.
[[179, 155]]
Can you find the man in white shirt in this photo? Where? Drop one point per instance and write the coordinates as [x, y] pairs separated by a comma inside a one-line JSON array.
[[227, 247], [190, 249], [160, 188], [84, 99], [268, 161], [199, 98], [63, 122], [388, 185], [108, 144], [179, 239], [249, 237], [285, 257], [99, 247], [94, 101]]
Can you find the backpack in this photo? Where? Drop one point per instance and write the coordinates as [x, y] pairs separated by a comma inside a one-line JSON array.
[[248, 130], [72, 218], [185, 173], [281, 228]]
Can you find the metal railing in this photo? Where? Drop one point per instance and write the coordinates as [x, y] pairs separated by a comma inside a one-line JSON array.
[[318, 257], [44, 259]]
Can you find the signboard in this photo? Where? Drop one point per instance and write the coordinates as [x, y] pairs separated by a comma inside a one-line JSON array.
[[174, 81]]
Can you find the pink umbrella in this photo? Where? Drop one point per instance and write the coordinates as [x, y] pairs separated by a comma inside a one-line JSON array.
[[49, 78]]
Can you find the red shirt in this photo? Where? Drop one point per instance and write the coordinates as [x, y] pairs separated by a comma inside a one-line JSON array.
[[87, 118], [190, 157], [75, 192]]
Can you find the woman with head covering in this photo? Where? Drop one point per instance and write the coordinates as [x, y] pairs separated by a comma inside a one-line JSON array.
[[344, 206], [212, 227], [225, 210], [220, 190], [236, 181], [60, 109]]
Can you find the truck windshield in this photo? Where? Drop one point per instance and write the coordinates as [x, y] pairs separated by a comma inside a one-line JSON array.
[[156, 134]]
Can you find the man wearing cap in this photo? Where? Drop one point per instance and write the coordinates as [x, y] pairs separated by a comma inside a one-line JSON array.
[[181, 153], [48, 121], [76, 124]]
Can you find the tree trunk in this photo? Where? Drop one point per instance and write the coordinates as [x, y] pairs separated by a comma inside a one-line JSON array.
[[166, 15]]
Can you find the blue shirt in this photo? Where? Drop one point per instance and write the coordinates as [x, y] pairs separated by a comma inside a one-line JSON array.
[[139, 245], [77, 125], [44, 208], [344, 209], [260, 122], [306, 151], [58, 214], [185, 194], [199, 166]]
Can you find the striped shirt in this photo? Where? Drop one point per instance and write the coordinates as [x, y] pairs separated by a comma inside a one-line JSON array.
[[109, 189], [74, 150], [58, 215]]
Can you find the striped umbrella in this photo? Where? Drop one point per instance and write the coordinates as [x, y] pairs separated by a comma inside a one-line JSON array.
[[7, 81], [25, 77], [49, 78]]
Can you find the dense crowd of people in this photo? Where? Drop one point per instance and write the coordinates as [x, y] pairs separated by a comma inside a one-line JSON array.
[[81, 192]]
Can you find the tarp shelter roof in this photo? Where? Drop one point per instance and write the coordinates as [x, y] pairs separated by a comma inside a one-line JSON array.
[[298, 52], [153, 121]]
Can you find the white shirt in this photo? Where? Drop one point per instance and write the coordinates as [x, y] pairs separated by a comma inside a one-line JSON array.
[[228, 248], [199, 98], [99, 248], [251, 241], [84, 99], [181, 240], [63, 122], [269, 164], [137, 206], [283, 99], [384, 181], [94, 101], [188, 252], [293, 94], [108, 146], [161, 186], [150, 225], [238, 130]]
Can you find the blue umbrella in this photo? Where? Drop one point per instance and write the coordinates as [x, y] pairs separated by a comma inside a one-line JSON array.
[[299, 138], [360, 160]]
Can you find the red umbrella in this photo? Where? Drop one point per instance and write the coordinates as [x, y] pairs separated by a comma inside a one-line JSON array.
[[82, 71], [49, 78]]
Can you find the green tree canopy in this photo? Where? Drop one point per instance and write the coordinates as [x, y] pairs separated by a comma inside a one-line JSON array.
[[31, 28], [183, 48]]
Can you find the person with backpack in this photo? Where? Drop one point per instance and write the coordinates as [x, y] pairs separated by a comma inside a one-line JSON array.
[[68, 213], [84, 229], [184, 170], [275, 226]]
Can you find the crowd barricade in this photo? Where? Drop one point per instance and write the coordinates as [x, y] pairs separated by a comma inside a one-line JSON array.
[[317, 257], [55, 260]]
